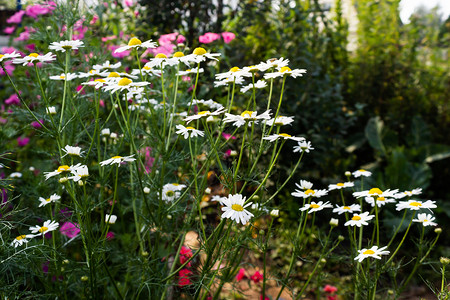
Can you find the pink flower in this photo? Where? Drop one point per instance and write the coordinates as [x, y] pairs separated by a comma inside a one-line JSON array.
[[171, 37], [30, 47], [36, 10], [330, 289], [9, 30], [257, 277], [166, 49], [23, 36], [228, 136], [16, 18], [265, 298], [9, 67], [123, 54], [241, 274], [228, 37], [148, 161], [80, 88], [13, 100], [110, 235], [208, 37], [184, 277], [227, 153], [332, 298], [69, 229], [22, 141], [9, 50], [36, 124], [94, 20], [128, 3]]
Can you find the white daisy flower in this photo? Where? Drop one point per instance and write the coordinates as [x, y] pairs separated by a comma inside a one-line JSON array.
[[72, 151], [204, 114], [199, 54], [97, 83], [234, 209], [362, 172], [46, 227], [275, 212], [375, 192], [107, 66], [105, 132], [233, 74], [6, 56], [161, 60], [381, 201], [136, 43], [92, 73], [280, 121], [260, 84], [340, 185], [303, 146], [66, 45], [117, 76], [246, 117], [117, 160], [372, 252], [51, 110], [21, 239], [123, 84], [416, 191], [309, 193], [53, 198], [313, 206], [284, 136], [171, 191], [188, 131], [229, 81], [218, 198], [69, 77], [35, 58], [179, 57], [174, 186], [347, 209], [64, 169], [146, 70], [273, 63], [190, 72], [425, 219], [415, 204], [15, 175], [285, 71], [111, 219], [210, 103], [304, 185], [79, 172], [359, 219]]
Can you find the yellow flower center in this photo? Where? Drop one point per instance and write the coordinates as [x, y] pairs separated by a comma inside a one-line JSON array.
[[113, 74], [20, 237], [234, 69], [35, 55], [368, 252], [63, 168], [188, 70], [340, 184], [285, 135], [67, 47], [48, 199], [100, 80], [346, 207], [134, 42], [416, 204], [362, 170], [1, 55], [253, 68], [375, 191], [43, 229], [199, 51], [175, 184], [314, 206], [356, 218], [204, 112], [308, 192], [285, 69], [147, 68], [92, 71], [116, 157], [190, 128], [237, 207], [160, 55], [124, 82], [170, 193], [381, 199], [247, 114], [62, 77], [178, 54], [425, 220]]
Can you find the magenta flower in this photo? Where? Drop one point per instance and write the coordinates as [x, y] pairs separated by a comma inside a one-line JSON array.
[[13, 100], [171, 37], [31, 47], [208, 37], [23, 36], [228, 136], [9, 50], [36, 124], [9, 30], [123, 54], [241, 274], [16, 18], [228, 37], [23, 141], [110, 235], [36, 10], [69, 229]]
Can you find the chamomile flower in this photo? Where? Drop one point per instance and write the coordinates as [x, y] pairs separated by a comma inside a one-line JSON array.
[[15, 175], [35, 58], [285, 71], [218, 198], [51, 110], [347, 209], [284, 136], [179, 57], [199, 54], [304, 185], [280, 121], [117, 160], [123, 84], [309, 193], [246, 117], [229, 81], [64, 46], [6, 56], [97, 83], [233, 74], [48, 226], [260, 84], [373, 252], [53, 198], [107, 66], [313, 206], [415, 204], [105, 132], [161, 60], [425, 219], [21, 239], [188, 131], [209, 103], [92, 73], [234, 209], [79, 173], [136, 43], [111, 219], [204, 114], [359, 219], [416, 191], [72, 151], [303, 146], [340, 185], [362, 172], [62, 76], [170, 192], [146, 70], [64, 169], [381, 201], [273, 63], [376, 192], [190, 72]]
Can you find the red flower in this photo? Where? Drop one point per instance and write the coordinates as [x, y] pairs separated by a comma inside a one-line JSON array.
[[330, 289], [184, 277], [257, 277], [241, 274]]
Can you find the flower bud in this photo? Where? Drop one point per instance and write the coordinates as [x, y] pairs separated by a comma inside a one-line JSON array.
[[207, 191], [233, 153], [80, 183], [275, 213], [334, 222], [111, 219], [348, 173], [444, 260], [146, 190], [84, 278], [438, 230], [341, 238], [66, 261], [144, 253], [63, 180]]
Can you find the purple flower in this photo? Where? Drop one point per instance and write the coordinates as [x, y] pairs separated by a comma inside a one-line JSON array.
[[69, 229], [16, 18], [13, 100], [23, 141], [110, 235], [65, 212], [36, 124]]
